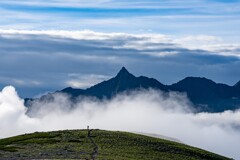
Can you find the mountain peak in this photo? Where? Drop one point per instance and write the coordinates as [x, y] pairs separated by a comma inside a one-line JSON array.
[[123, 69], [123, 72]]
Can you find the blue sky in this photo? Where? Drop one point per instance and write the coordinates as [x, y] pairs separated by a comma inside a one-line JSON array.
[[216, 17], [49, 45]]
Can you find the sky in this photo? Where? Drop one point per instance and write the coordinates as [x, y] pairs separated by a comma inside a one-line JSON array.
[[49, 45]]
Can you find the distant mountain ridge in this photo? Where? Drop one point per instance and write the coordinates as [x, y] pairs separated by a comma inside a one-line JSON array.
[[124, 81], [205, 94], [209, 95]]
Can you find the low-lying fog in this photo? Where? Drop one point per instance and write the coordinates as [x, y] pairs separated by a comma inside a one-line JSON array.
[[146, 111]]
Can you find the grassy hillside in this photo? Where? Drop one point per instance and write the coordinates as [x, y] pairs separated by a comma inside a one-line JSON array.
[[98, 144]]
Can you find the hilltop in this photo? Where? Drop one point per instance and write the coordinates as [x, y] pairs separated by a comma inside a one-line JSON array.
[[98, 144]]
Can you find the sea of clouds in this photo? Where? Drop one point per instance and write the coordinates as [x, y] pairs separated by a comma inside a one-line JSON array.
[[146, 111]]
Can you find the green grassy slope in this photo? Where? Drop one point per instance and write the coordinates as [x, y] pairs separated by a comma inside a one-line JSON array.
[[75, 144]]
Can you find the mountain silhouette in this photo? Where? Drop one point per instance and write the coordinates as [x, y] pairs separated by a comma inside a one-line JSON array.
[[208, 95], [205, 94], [123, 82]]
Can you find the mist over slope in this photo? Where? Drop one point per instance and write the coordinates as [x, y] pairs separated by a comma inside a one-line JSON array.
[[146, 111]]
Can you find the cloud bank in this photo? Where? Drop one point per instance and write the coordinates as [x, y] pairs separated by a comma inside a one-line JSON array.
[[152, 43], [37, 61], [146, 111]]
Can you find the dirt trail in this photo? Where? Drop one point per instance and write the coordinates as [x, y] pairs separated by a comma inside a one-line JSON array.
[[94, 154]]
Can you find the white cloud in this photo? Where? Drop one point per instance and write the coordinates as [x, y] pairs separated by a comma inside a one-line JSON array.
[[201, 38], [86, 34], [12, 111], [77, 84], [84, 81], [142, 42], [161, 54], [20, 82]]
